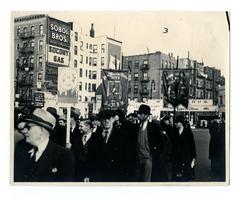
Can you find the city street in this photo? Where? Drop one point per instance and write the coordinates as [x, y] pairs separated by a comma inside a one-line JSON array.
[[202, 169]]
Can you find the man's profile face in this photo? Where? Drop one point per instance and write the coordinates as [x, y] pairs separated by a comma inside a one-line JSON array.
[[84, 127], [32, 133]]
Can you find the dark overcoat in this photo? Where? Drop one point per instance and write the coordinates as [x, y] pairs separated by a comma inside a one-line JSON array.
[[183, 152], [86, 156], [56, 164], [112, 157]]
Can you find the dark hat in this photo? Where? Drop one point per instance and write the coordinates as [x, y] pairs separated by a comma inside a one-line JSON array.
[[53, 111], [144, 109], [93, 117], [105, 114], [42, 118], [165, 117], [180, 118]]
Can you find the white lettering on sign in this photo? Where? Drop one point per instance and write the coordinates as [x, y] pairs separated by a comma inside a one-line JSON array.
[[59, 29], [59, 37]]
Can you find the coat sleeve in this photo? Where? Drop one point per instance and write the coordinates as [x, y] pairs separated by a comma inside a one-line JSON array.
[[68, 167]]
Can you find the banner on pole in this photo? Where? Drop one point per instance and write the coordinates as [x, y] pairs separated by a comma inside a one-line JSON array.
[[176, 87], [114, 89], [67, 85]]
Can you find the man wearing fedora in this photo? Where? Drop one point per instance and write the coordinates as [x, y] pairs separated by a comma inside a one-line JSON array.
[[112, 150], [151, 149], [37, 158]]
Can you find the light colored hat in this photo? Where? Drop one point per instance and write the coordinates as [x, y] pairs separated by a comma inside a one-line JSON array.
[[42, 118]]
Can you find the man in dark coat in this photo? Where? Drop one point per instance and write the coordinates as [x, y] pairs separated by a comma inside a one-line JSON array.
[[37, 158], [217, 149], [85, 148], [183, 152], [151, 149], [112, 150]]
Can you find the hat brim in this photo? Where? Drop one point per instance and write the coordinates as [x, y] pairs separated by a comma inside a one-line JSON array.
[[42, 124], [139, 112]]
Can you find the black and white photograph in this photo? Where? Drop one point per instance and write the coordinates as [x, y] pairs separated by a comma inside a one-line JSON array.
[[120, 97]]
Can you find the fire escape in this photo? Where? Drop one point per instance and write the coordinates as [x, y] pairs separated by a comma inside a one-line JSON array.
[[25, 70]]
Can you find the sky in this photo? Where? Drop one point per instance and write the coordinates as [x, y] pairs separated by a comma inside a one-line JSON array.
[[204, 34]]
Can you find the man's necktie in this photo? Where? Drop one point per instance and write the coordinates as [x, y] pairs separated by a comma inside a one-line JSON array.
[[33, 156], [105, 136], [84, 139]]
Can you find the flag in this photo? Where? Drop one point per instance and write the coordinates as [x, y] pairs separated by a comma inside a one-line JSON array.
[[114, 89]]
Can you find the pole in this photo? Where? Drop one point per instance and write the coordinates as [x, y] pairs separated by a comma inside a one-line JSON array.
[[68, 125], [174, 114]]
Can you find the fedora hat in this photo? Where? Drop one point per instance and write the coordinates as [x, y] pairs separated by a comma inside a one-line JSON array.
[[42, 118], [144, 109], [106, 114], [53, 111]]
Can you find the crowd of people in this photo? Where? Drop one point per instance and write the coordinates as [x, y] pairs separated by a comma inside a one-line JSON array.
[[107, 147]]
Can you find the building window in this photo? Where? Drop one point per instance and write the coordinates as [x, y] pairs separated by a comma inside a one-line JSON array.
[[136, 64], [86, 59], [80, 86], [90, 46], [25, 31], [129, 64], [40, 47], [31, 62], [103, 48], [93, 87], [80, 98], [40, 63], [102, 61], [129, 89], [94, 74], [32, 30], [90, 61], [32, 44], [41, 30], [80, 72], [94, 61], [129, 77], [86, 73], [89, 87], [145, 62], [85, 86], [95, 47], [81, 59], [145, 76], [86, 45], [135, 76], [75, 50], [39, 76], [75, 63], [166, 64], [135, 90], [18, 31], [76, 36], [90, 74], [86, 99]]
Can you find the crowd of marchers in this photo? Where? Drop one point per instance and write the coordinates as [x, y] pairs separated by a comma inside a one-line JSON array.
[[106, 147]]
